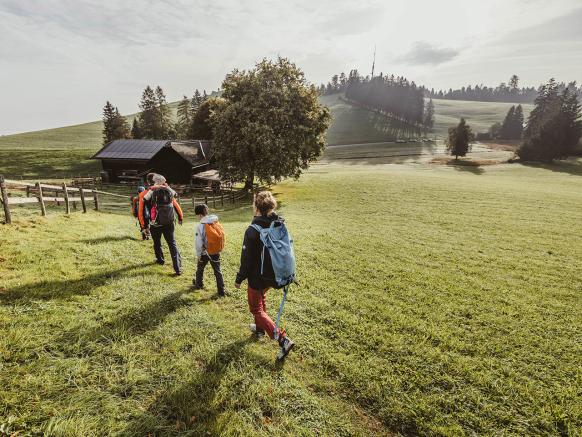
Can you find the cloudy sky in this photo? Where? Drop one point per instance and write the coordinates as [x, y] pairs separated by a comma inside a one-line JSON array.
[[60, 60]]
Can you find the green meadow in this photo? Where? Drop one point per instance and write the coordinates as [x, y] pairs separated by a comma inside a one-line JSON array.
[[434, 300]]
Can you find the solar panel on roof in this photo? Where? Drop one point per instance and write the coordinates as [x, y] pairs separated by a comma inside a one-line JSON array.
[[131, 149]]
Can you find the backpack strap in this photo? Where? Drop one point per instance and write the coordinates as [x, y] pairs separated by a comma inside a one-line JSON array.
[[259, 230]]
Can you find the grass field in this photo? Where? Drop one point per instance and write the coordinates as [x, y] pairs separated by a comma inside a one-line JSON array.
[[433, 301], [479, 115]]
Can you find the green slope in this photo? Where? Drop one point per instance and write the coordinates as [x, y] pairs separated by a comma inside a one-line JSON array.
[[450, 304]]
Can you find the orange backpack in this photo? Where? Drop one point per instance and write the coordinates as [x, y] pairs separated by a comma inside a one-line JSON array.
[[215, 237]]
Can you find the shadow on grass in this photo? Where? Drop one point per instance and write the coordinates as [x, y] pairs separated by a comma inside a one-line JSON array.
[[466, 166], [64, 289], [109, 239], [136, 321], [570, 166], [191, 408]]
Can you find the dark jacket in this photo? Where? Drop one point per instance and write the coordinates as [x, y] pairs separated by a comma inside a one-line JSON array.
[[250, 258]]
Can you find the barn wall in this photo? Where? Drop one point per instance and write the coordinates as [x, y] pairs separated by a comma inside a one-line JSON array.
[[115, 166], [172, 166]]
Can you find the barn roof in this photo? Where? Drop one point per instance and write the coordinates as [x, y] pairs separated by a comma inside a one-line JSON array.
[[131, 149], [192, 151]]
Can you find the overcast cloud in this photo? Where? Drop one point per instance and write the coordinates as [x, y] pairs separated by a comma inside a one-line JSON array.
[[60, 60]]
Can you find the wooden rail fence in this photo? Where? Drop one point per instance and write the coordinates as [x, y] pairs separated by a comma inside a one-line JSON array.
[[40, 193]]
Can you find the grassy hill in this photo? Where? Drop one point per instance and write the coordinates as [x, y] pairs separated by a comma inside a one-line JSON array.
[[433, 301], [65, 151]]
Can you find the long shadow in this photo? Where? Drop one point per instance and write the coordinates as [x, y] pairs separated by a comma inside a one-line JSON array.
[[136, 321], [109, 239], [475, 169], [572, 167], [191, 408], [66, 288]]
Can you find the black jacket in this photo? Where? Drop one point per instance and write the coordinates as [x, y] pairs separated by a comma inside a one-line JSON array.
[[250, 258]]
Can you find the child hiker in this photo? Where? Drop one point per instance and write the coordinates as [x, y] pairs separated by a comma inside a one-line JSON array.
[[145, 233], [209, 242], [254, 259]]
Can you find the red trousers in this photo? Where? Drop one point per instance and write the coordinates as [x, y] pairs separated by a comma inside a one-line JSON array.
[[258, 308]]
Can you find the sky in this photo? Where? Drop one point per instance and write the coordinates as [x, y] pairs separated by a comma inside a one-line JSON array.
[[60, 60]]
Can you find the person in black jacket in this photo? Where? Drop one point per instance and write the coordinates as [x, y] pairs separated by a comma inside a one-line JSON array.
[[250, 270]]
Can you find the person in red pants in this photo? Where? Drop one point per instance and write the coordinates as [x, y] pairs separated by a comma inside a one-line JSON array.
[[250, 270]]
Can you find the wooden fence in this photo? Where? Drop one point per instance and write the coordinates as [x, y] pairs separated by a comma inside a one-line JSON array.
[[41, 193]]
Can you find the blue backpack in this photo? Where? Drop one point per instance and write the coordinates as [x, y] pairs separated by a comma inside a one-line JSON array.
[[278, 242]]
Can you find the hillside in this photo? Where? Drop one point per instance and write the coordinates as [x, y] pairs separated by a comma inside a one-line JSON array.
[[459, 316], [65, 151]]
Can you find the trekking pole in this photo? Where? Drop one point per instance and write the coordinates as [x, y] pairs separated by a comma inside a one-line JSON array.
[[280, 311]]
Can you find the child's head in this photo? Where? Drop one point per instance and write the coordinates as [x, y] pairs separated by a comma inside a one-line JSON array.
[[265, 203], [201, 210]]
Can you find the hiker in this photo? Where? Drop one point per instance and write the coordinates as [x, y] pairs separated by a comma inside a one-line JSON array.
[[256, 267], [209, 242], [163, 211], [143, 213], [145, 234]]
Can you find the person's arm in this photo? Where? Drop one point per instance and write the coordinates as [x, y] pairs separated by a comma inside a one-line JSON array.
[[178, 210], [199, 239], [247, 255], [140, 212]]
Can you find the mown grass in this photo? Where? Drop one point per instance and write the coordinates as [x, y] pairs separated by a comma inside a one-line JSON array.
[[479, 115], [432, 301]]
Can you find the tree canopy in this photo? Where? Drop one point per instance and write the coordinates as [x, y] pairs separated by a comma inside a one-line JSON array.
[[269, 125], [459, 139], [115, 126], [554, 126]]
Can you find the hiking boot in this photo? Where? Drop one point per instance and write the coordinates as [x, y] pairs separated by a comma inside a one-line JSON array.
[[222, 294], [259, 333], [178, 273], [286, 345], [196, 286], [160, 262]]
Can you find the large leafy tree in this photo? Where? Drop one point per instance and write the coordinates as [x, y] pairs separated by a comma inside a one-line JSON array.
[[115, 126], [270, 125], [554, 126], [459, 139]]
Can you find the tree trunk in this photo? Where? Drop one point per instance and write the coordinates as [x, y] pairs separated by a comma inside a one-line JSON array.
[[250, 180]]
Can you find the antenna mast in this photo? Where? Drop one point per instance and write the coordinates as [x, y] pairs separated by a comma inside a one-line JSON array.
[[374, 61]]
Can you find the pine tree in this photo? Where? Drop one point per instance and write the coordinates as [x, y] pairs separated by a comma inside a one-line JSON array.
[[136, 132], [115, 126], [184, 118], [429, 116], [459, 139], [163, 113], [554, 126], [506, 127], [148, 117]]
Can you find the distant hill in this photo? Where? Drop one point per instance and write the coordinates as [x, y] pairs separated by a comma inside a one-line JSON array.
[[65, 150]]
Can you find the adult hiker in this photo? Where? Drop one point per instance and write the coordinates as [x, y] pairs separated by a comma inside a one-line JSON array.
[[208, 242], [145, 233], [164, 208], [257, 268]]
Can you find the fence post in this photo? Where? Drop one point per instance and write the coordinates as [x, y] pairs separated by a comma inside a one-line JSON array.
[[27, 191], [232, 196], [66, 196], [82, 194], [40, 199], [96, 200], [221, 198], [7, 215], [206, 200], [214, 200]]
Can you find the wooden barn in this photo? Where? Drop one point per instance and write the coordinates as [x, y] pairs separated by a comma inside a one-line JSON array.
[[131, 160]]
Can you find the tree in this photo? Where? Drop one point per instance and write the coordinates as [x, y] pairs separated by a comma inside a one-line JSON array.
[[429, 116], [271, 125], [165, 123], [115, 126], [136, 132], [201, 127], [495, 130], [514, 82], [459, 139], [554, 126], [148, 118], [184, 118]]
